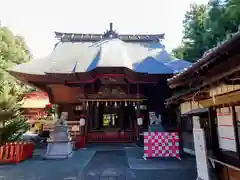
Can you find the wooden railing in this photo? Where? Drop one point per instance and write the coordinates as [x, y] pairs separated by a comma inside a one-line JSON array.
[[111, 137], [16, 152]]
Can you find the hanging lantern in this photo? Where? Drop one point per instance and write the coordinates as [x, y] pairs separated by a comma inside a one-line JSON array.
[[106, 104], [125, 103], [213, 98], [134, 104], [82, 122], [115, 104], [87, 104], [78, 108], [139, 121], [97, 103]]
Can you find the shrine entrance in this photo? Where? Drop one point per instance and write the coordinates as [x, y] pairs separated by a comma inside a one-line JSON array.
[[112, 122]]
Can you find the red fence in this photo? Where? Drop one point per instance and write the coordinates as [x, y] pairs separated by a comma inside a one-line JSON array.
[[15, 152]]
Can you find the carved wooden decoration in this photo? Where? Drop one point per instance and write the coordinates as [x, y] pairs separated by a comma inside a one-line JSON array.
[[105, 92], [113, 80]]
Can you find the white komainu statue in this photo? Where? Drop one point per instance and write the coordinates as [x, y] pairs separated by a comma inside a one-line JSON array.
[[59, 143]]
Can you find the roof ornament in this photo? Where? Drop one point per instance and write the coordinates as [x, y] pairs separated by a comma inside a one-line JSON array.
[[110, 33]]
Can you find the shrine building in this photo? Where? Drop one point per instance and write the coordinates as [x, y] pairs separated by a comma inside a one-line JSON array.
[[33, 105], [110, 81], [207, 102]]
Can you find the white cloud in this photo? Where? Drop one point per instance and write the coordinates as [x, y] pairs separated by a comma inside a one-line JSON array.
[[37, 20]]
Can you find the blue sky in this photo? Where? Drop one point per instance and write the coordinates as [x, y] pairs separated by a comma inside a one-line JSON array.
[[37, 20]]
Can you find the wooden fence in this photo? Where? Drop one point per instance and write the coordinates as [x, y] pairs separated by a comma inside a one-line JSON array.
[[16, 152]]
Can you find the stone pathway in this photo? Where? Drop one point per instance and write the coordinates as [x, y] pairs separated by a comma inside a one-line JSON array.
[[99, 164], [38, 169], [107, 165]]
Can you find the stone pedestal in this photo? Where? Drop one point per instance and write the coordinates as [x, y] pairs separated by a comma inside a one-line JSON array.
[[155, 128], [59, 143]]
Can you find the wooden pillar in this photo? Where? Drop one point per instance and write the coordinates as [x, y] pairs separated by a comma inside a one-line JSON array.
[[235, 125], [213, 131], [121, 115], [96, 113], [90, 116], [179, 124], [137, 131], [111, 110], [84, 129], [131, 123]]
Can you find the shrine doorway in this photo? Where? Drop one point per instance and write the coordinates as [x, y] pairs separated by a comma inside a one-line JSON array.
[[109, 123]]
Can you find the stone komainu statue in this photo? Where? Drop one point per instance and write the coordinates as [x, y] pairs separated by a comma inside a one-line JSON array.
[[155, 123], [59, 143], [154, 119], [62, 120]]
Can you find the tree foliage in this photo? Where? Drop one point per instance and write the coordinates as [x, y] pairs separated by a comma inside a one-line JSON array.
[[12, 123], [13, 51], [207, 25]]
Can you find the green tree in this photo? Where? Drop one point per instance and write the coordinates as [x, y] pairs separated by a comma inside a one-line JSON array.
[[193, 43], [217, 23], [12, 123], [233, 14], [13, 51], [206, 26]]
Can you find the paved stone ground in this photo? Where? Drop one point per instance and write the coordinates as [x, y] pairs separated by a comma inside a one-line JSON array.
[[107, 165], [97, 163]]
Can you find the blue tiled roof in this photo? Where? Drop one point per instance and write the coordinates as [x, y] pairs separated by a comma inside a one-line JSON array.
[[178, 65], [68, 57], [152, 66]]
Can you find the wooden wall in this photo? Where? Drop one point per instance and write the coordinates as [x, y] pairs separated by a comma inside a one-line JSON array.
[[189, 106], [65, 94], [223, 89], [230, 174], [68, 108]]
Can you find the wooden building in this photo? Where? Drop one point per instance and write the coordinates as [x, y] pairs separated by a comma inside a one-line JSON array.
[[109, 80], [212, 86], [33, 105]]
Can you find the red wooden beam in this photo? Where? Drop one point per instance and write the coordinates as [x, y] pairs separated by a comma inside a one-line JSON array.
[[111, 75]]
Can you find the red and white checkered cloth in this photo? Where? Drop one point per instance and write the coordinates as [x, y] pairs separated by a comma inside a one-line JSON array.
[[161, 144]]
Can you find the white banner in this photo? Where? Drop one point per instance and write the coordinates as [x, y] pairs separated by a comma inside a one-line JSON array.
[[226, 133], [201, 154]]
